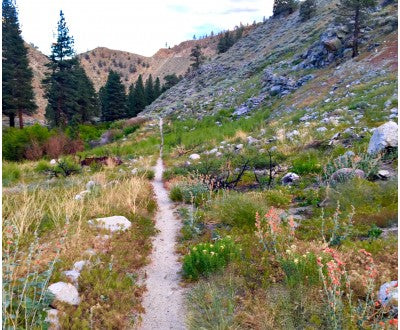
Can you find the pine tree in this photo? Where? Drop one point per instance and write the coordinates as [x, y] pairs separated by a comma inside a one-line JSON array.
[[170, 80], [149, 90], [157, 88], [140, 95], [113, 98], [70, 94], [17, 92], [131, 105], [307, 9], [197, 57], [355, 11], [284, 7], [226, 42]]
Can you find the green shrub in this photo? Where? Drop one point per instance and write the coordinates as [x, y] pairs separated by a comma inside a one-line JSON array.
[[278, 197], [189, 193], [130, 129], [306, 163], [238, 210], [374, 232], [284, 7], [192, 226], [374, 202], [16, 141], [207, 258], [10, 173], [65, 167], [43, 166], [300, 269]]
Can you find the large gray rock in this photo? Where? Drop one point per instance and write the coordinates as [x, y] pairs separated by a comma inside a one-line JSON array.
[[114, 223], [384, 136], [388, 294], [345, 174], [65, 292]]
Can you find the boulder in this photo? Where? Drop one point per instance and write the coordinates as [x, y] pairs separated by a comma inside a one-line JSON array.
[[114, 223], [65, 292], [384, 174], [384, 136], [388, 294], [290, 178], [345, 174], [194, 156], [332, 44]]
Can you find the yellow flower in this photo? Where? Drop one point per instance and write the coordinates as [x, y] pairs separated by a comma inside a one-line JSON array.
[[304, 256], [296, 261], [204, 251], [211, 245], [288, 251], [194, 249], [293, 247], [212, 253]]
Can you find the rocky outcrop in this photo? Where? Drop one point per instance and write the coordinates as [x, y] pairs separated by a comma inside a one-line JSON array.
[[384, 136]]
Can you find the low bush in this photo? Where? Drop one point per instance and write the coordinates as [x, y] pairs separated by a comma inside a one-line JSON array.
[[278, 197], [238, 210], [65, 167], [307, 163], [300, 269], [307, 9], [10, 173], [207, 258], [43, 166], [189, 193]]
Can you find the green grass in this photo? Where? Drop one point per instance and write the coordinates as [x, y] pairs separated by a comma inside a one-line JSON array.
[[10, 173]]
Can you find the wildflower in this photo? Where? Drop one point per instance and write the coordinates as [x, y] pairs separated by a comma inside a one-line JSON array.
[[296, 261], [9, 242], [211, 245], [288, 251], [304, 256], [319, 262], [204, 251], [293, 247], [194, 249], [212, 253], [382, 324], [222, 247], [393, 322]]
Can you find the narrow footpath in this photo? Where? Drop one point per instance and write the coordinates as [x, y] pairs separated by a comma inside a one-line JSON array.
[[163, 300]]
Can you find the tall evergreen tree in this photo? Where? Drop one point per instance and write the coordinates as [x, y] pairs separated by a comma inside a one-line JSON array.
[[140, 95], [170, 80], [70, 94], [355, 12], [157, 88], [225, 42], [131, 106], [113, 98], [197, 57], [17, 92], [149, 90]]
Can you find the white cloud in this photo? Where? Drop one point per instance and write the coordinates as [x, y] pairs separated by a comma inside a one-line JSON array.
[[140, 27]]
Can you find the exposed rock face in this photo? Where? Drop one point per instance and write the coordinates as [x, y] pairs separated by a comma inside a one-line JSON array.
[[345, 174], [114, 223], [384, 136], [65, 292]]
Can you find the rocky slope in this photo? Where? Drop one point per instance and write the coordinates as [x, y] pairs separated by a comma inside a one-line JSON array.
[[278, 58]]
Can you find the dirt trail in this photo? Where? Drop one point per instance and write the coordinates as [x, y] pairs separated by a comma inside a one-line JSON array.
[[164, 299]]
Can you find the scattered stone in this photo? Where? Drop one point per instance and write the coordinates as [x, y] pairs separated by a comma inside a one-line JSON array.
[[213, 151], [321, 129], [345, 174], [194, 156], [53, 162], [239, 147], [384, 174], [90, 185], [251, 140], [134, 171], [73, 276], [384, 136], [78, 266], [290, 178], [292, 134], [112, 224], [388, 294], [65, 292], [274, 148]]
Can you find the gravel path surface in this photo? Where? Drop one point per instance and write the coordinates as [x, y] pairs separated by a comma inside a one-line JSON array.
[[163, 301]]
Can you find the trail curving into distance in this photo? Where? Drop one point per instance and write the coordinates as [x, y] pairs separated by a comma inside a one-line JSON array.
[[163, 300]]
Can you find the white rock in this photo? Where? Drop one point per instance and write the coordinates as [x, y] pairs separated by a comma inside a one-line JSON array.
[[194, 156], [274, 148], [239, 146], [251, 140], [53, 162], [90, 185], [384, 174], [134, 171], [289, 178], [113, 223], [78, 197], [388, 294], [213, 151], [72, 275], [218, 154], [321, 129], [65, 292], [78, 266], [384, 136]]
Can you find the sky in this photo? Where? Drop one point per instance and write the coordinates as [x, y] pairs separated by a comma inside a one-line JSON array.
[[140, 27]]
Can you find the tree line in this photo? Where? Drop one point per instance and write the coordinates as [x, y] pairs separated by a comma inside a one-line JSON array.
[[70, 93]]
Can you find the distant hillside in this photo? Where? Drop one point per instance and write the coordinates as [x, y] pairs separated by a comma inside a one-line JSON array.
[[99, 61]]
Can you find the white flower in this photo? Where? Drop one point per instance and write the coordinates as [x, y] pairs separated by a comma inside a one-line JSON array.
[[296, 261]]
